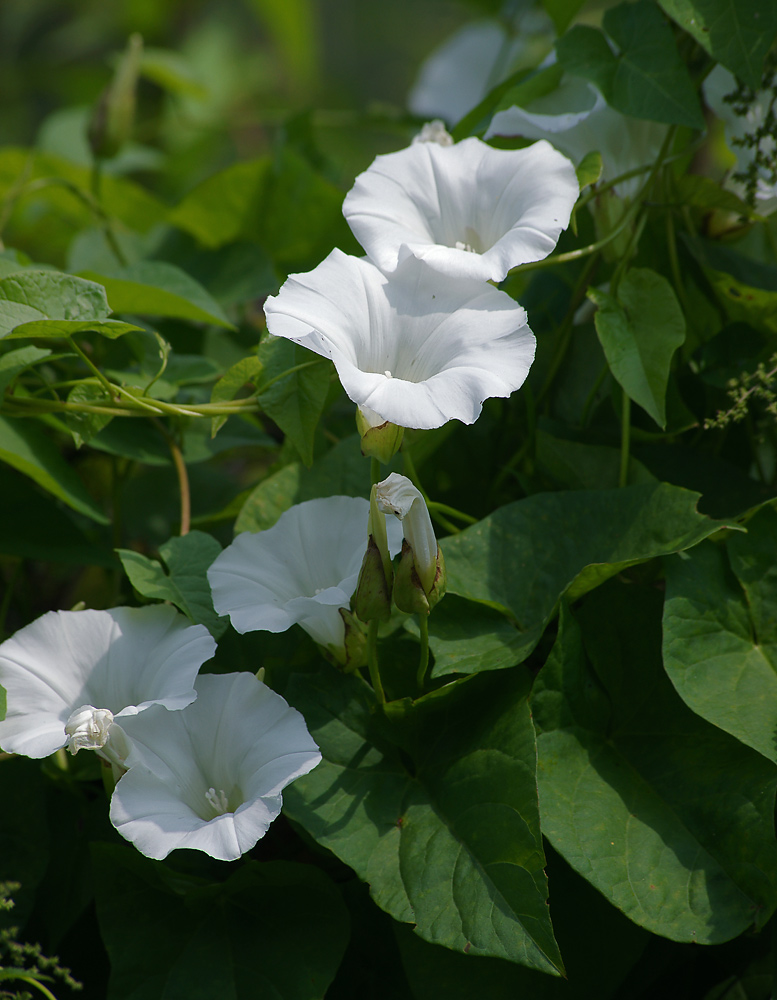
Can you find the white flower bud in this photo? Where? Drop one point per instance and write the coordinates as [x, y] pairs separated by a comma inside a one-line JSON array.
[[88, 728], [397, 495]]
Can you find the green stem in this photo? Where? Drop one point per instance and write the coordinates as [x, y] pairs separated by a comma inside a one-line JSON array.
[[109, 389], [34, 982], [374, 470], [372, 660], [423, 663], [443, 508], [625, 440], [589, 399]]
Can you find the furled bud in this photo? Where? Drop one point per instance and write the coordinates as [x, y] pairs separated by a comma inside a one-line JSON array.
[[114, 115], [380, 439], [372, 598], [420, 577]]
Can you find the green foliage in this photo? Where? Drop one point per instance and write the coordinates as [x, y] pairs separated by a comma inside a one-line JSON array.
[[720, 646], [517, 560], [737, 33], [170, 935], [436, 810], [181, 578], [603, 670], [646, 78], [667, 816], [640, 331]]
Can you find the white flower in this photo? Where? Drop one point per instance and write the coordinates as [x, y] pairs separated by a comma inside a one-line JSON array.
[[396, 495], [467, 210], [416, 348], [748, 135], [70, 673], [577, 120], [459, 73], [301, 570], [210, 777]]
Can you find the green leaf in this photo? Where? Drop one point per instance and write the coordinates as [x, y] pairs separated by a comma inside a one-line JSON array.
[[704, 192], [84, 426], [639, 333], [230, 384], [27, 297], [26, 447], [517, 559], [466, 638], [599, 948], [342, 471], [14, 362], [59, 329], [670, 818], [720, 632], [295, 401], [181, 577], [578, 466], [562, 12], [647, 78], [738, 33], [589, 170], [33, 526], [275, 930], [435, 807], [279, 202], [156, 288]]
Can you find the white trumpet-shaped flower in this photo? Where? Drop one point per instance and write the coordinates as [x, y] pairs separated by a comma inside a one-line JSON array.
[[301, 570], [210, 777], [416, 348], [577, 120], [467, 210], [69, 674]]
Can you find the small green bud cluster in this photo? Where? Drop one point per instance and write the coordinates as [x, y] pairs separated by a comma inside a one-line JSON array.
[[751, 386]]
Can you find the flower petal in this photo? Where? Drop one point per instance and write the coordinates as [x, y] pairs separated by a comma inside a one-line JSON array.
[[122, 660], [416, 347], [239, 739], [302, 569], [468, 210]]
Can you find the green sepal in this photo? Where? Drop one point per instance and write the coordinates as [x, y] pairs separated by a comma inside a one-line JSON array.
[[382, 441], [372, 598], [353, 653], [409, 594]]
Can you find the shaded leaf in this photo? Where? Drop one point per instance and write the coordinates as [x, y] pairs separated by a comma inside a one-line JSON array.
[[26, 447], [171, 936], [738, 33], [517, 559], [647, 78], [434, 807], [14, 362], [181, 577], [639, 333], [157, 288], [720, 632], [670, 818], [466, 637], [230, 384], [295, 401]]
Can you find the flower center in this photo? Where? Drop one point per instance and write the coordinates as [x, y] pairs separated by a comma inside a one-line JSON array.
[[88, 728], [472, 242], [218, 801], [388, 374]]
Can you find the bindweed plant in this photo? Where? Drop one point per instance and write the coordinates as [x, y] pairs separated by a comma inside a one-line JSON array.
[[386, 568]]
